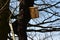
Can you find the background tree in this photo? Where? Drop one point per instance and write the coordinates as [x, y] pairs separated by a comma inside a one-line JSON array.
[[4, 19]]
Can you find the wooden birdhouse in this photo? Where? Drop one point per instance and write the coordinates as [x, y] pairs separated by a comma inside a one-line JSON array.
[[34, 12]]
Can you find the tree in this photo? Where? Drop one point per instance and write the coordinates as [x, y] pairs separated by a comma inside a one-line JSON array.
[[47, 13], [4, 19], [24, 18]]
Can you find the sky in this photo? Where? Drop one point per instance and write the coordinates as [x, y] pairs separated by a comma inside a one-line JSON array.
[[42, 15]]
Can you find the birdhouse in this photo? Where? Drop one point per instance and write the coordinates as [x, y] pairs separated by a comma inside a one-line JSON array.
[[34, 12]]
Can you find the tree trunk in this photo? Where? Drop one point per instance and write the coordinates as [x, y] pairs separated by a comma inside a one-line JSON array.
[[4, 20], [24, 18]]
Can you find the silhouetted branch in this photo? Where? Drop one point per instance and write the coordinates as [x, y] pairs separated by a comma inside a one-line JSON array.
[[44, 30], [47, 22], [52, 13], [42, 4], [49, 6]]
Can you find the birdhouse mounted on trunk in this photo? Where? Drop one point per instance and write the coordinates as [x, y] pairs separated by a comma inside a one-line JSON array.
[[34, 12]]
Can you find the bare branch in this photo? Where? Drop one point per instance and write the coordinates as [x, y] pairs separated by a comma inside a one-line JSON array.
[[45, 30], [52, 13], [49, 6], [42, 4]]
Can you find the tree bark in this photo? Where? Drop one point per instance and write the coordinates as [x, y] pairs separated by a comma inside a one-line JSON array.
[[24, 18], [4, 21]]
